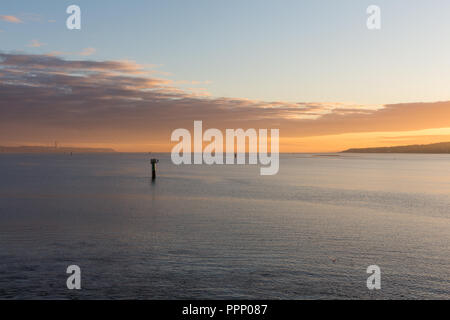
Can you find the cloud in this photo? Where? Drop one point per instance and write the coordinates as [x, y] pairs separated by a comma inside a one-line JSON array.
[[35, 44], [46, 63], [11, 19], [192, 82], [88, 101], [87, 52]]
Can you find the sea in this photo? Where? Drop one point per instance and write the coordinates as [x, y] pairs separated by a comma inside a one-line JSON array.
[[224, 231]]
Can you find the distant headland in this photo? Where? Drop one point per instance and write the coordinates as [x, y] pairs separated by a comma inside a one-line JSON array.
[[442, 147], [43, 149]]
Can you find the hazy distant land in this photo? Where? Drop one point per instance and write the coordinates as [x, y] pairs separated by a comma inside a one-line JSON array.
[[442, 147], [43, 149]]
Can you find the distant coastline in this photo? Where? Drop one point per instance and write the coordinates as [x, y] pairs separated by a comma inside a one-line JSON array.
[[43, 149], [442, 147]]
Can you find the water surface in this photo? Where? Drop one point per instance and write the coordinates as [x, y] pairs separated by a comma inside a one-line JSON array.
[[225, 232]]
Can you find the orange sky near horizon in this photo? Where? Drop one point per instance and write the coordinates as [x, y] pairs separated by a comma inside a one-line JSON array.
[[313, 144], [116, 104]]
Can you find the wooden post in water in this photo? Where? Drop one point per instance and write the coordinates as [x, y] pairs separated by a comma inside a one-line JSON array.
[[154, 162]]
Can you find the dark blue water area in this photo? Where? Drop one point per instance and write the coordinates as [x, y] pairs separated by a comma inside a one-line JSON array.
[[224, 232]]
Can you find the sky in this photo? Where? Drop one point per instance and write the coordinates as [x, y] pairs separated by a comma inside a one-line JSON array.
[[137, 70]]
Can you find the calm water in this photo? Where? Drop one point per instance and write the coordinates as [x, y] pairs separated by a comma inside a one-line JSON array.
[[225, 231]]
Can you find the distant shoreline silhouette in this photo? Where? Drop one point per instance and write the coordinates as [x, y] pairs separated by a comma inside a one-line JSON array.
[[43, 149], [442, 147]]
